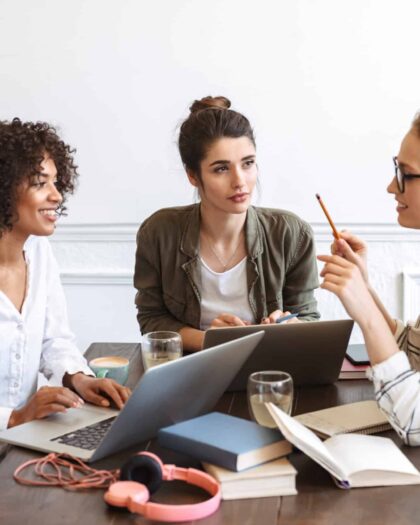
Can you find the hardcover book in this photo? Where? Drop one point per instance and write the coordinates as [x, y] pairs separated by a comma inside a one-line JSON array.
[[224, 440], [350, 371], [275, 478]]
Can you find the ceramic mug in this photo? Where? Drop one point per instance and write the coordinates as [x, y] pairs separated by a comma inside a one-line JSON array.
[[112, 367]]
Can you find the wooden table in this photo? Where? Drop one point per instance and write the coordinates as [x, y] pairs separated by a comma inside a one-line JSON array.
[[318, 501]]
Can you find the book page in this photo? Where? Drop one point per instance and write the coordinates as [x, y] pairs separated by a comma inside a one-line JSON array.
[[358, 452], [306, 441]]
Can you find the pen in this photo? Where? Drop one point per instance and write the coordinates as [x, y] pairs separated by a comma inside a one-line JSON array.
[[286, 318], [324, 209]]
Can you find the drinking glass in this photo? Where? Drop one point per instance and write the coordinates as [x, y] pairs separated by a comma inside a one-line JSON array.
[[269, 386], [160, 347]]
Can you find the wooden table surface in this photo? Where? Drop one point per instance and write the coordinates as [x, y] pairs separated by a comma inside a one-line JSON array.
[[319, 501]]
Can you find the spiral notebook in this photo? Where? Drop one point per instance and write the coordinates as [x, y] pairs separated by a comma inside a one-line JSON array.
[[363, 417]]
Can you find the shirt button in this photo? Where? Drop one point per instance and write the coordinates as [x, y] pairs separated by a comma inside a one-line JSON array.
[[16, 385], [17, 356]]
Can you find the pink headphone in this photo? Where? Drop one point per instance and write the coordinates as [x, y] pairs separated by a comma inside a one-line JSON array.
[[142, 475]]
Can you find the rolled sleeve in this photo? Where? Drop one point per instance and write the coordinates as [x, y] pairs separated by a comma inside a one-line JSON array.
[[399, 330], [397, 389], [302, 278]]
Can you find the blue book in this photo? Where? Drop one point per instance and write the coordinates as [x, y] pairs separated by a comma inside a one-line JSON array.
[[224, 440]]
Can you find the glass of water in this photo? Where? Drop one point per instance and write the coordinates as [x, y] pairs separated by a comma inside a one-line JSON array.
[[160, 347], [265, 387]]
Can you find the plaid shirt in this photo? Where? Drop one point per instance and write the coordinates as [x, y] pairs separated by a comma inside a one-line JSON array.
[[397, 383]]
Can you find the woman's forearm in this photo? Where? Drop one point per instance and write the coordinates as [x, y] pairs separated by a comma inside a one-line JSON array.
[[389, 320], [192, 339], [379, 340]]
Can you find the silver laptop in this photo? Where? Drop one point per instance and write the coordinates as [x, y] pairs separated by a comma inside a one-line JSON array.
[[312, 352], [166, 394]]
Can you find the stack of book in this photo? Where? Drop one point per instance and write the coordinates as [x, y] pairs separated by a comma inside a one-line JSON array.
[[275, 478], [355, 363], [350, 371], [240, 454]]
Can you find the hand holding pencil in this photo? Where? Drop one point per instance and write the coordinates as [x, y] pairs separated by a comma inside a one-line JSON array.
[[324, 209], [347, 245]]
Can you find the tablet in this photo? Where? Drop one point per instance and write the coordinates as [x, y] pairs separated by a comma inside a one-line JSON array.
[[312, 352], [357, 355]]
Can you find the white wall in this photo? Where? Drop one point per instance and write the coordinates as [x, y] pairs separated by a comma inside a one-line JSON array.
[[330, 87], [97, 263]]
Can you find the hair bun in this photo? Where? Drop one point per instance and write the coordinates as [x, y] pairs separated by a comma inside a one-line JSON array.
[[210, 103]]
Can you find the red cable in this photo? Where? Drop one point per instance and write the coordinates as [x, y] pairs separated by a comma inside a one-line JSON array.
[[68, 472]]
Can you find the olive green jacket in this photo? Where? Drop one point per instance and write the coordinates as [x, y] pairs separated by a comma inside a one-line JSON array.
[[281, 267]]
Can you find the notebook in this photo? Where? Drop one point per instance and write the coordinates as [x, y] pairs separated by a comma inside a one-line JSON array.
[[227, 441], [353, 460], [350, 371], [275, 478], [363, 417]]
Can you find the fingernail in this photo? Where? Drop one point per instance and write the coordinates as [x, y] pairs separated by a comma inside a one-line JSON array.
[[105, 402], [81, 401]]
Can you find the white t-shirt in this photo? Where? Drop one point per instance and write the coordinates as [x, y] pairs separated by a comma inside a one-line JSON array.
[[225, 292], [38, 338]]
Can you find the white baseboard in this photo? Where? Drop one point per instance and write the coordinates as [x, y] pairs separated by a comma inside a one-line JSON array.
[[126, 232], [94, 278]]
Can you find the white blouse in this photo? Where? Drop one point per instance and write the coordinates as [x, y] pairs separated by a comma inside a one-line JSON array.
[[39, 338]]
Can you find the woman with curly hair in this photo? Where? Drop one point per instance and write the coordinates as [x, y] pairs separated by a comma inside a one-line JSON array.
[[222, 262], [36, 172]]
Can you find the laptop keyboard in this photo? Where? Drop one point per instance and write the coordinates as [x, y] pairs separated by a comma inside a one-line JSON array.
[[87, 437]]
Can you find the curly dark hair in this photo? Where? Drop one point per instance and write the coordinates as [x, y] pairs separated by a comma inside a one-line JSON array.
[[22, 148]]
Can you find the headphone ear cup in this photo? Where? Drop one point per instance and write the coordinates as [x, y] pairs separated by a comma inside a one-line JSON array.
[[143, 469]]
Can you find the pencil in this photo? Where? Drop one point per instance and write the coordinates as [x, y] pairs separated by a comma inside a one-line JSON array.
[[324, 209], [286, 318]]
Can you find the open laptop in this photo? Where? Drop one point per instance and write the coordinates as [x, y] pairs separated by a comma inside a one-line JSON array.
[[311, 352], [166, 394]]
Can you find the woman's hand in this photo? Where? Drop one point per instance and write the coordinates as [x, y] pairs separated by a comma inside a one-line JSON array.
[[46, 401], [354, 250], [227, 320], [92, 389], [277, 314], [345, 280]]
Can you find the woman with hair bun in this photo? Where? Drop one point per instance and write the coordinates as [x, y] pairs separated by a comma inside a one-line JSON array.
[[222, 262], [36, 172]]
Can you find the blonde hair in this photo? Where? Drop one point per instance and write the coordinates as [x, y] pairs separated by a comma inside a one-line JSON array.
[[416, 124]]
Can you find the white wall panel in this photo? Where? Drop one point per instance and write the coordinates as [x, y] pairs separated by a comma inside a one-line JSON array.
[[97, 264]]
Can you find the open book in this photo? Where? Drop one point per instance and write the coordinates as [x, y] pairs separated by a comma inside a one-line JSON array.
[[354, 460]]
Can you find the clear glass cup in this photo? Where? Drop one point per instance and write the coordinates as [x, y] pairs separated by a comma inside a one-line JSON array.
[[160, 347], [269, 386]]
